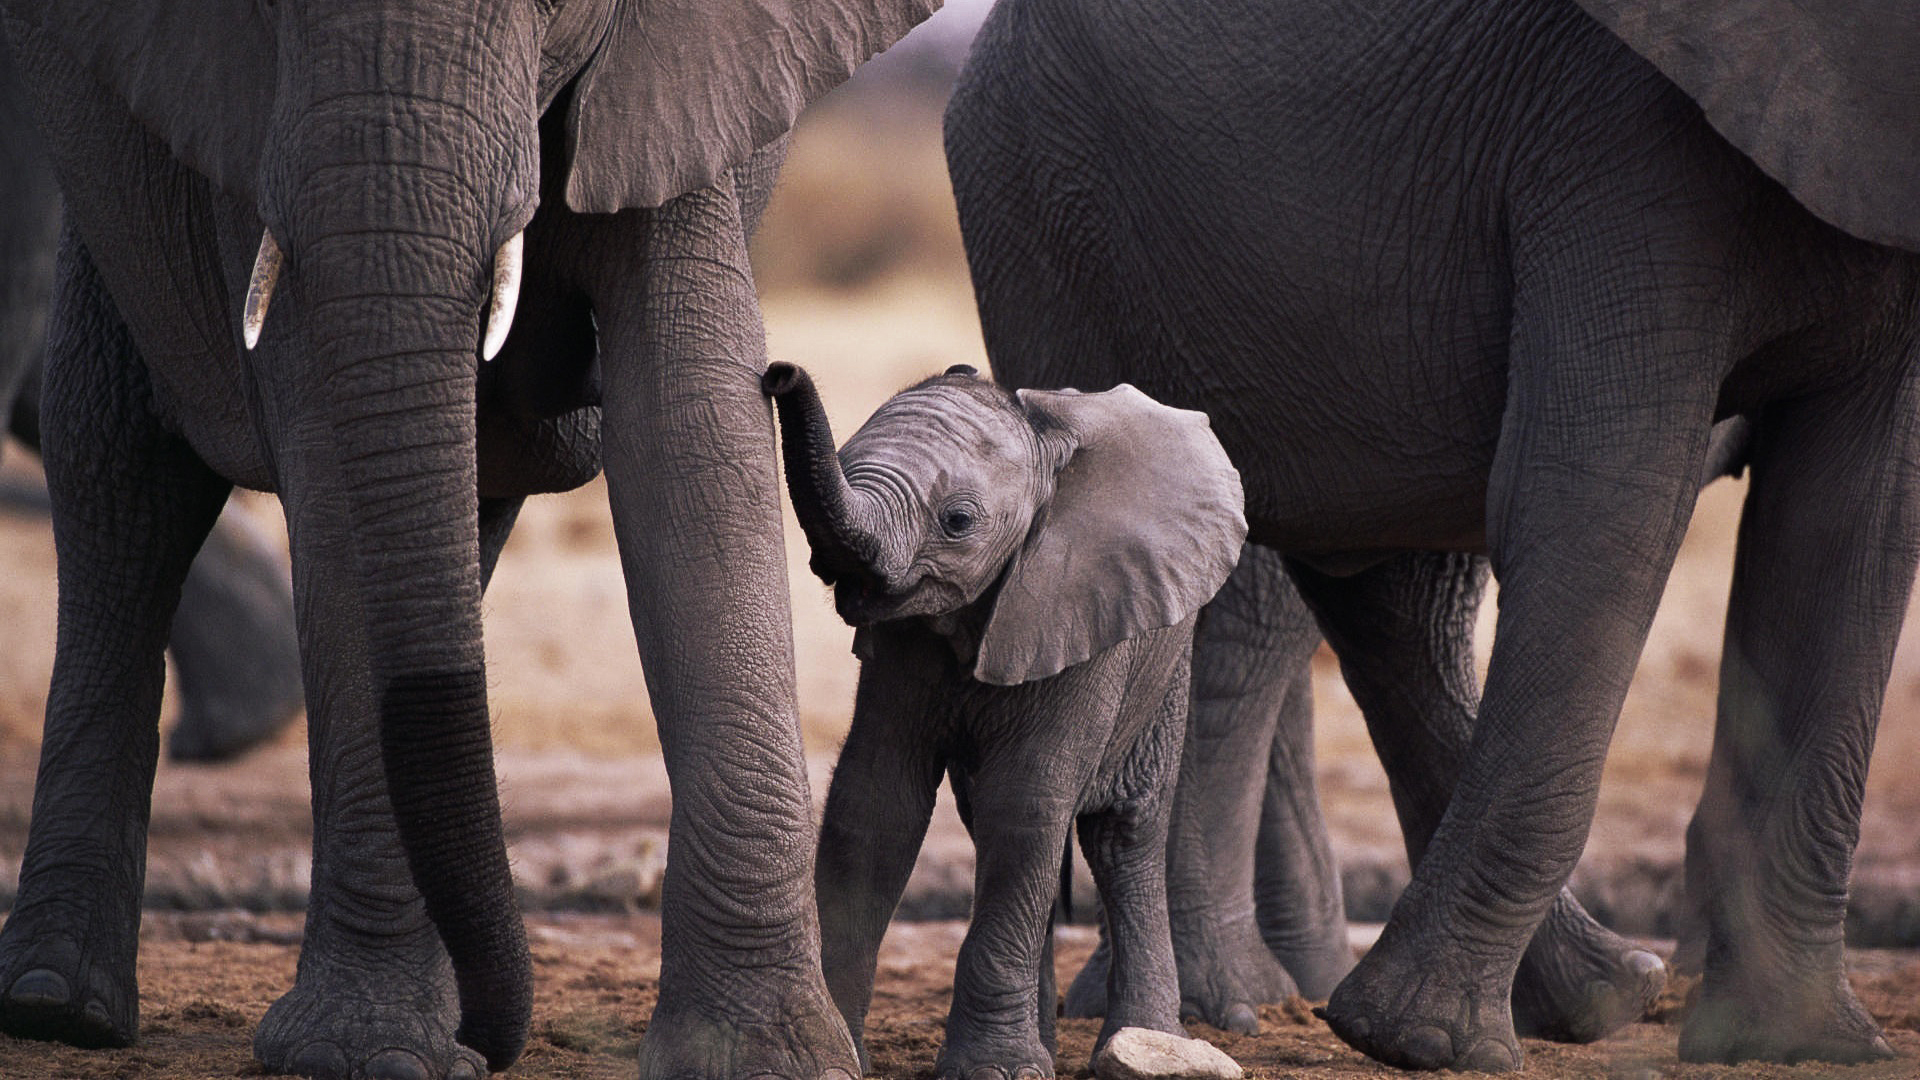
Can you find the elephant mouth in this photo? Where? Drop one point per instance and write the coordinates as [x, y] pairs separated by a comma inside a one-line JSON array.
[[863, 599]]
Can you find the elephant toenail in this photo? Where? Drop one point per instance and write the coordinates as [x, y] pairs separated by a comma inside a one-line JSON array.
[[321, 1059], [1426, 1047], [988, 1072], [96, 1011], [464, 1070], [1241, 1020], [1490, 1055], [396, 1064], [40, 989], [1646, 965], [1028, 1072], [1881, 1047]]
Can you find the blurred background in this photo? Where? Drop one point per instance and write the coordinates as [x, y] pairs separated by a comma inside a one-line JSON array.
[[864, 282]]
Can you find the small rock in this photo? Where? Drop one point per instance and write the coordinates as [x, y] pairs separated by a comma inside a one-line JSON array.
[[1143, 1054]]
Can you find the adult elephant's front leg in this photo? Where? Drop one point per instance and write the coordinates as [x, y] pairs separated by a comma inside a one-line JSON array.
[[690, 471], [1590, 491], [1404, 632]]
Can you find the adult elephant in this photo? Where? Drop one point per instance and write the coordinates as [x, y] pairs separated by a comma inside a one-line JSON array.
[[232, 639], [1480, 278], [1250, 863], [296, 233]]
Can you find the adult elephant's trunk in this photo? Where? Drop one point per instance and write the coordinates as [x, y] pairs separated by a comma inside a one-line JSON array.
[[825, 506], [396, 344]]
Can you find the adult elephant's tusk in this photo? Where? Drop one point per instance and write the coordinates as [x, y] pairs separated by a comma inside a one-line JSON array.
[[266, 273], [506, 294]]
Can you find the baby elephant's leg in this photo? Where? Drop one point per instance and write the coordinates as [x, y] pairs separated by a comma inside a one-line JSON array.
[[994, 1029], [1047, 998], [1126, 845]]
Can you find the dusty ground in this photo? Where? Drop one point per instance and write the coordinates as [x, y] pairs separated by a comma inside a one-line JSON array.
[[205, 982], [864, 288]]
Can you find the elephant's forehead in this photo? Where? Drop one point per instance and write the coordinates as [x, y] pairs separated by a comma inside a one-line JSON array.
[[944, 420]]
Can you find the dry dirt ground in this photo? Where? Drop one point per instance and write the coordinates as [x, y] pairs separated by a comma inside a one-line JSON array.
[[206, 980], [870, 301]]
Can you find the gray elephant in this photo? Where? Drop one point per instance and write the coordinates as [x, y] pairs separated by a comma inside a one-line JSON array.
[[1466, 278], [1023, 572], [232, 638], [1249, 862], [406, 263]]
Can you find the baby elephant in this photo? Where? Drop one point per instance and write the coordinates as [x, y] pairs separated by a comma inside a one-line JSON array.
[[1023, 571]]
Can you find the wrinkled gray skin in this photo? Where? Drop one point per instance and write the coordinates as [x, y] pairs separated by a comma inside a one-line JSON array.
[[1480, 278], [232, 639], [926, 524], [1249, 852], [389, 150]]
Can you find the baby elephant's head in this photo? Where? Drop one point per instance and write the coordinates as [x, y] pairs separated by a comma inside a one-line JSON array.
[[1075, 520]]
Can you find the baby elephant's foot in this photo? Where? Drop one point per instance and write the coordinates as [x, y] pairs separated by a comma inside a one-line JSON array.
[[1749, 1017], [1579, 981], [382, 1025], [1415, 1006], [54, 988]]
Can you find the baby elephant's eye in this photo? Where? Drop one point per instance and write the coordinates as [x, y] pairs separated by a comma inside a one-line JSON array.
[[957, 521]]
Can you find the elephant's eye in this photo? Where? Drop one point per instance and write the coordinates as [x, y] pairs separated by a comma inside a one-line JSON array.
[[958, 520]]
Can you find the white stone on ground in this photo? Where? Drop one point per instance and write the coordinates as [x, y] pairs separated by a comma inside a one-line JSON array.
[[1143, 1054]]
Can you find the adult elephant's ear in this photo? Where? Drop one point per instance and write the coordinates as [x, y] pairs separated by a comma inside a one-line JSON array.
[[682, 90], [1144, 526], [199, 74], [1823, 96]]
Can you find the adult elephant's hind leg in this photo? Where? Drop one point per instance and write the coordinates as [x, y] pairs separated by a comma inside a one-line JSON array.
[[1593, 481], [1404, 634], [131, 503], [234, 647], [1821, 577], [690, 472], [1298, 899]]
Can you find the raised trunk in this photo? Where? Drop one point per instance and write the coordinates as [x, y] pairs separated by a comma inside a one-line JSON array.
[[822, 501]]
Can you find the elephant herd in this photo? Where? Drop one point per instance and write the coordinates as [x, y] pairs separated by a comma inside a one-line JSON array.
[[1460, 287]]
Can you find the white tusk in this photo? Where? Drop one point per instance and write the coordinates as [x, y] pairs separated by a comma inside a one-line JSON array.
[[506, 294], [266, 273]]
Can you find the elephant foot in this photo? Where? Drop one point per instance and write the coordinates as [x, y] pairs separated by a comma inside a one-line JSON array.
[[1226, 973], [1224, 979], [1418, 1006], [1746, 1017], [220, 729], [382, 1022], [802, 1037], [982, 1058], [1579, 981], [55, 988]]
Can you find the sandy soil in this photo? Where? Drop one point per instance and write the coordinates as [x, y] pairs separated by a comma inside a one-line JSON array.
[[207, 980]]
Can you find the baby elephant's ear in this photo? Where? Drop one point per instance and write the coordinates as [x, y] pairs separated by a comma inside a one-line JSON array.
[[1144, 526]]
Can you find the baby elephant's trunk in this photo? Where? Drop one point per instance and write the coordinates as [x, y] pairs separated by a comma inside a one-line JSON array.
[[822, 500]]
